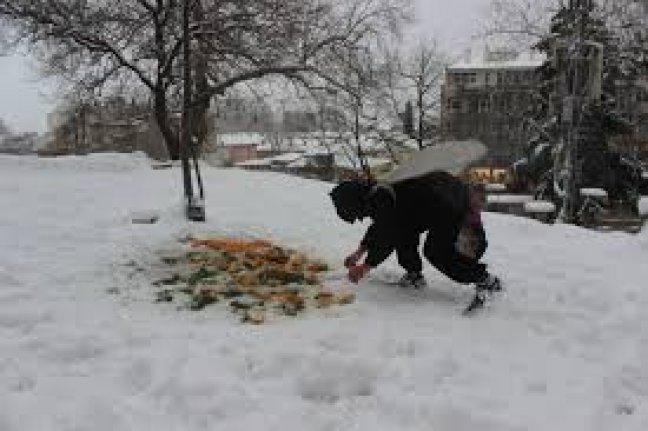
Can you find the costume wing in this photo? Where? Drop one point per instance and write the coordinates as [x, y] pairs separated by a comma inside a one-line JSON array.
[[450, 156]]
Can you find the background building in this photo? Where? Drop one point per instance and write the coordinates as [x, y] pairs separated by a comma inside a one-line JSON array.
[[488, 99]]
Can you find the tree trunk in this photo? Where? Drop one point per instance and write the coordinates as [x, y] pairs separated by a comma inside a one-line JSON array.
[[201, 85], [419, 104], [164, 124]]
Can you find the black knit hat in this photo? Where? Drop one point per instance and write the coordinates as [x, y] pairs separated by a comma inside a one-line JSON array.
[[349, 198]]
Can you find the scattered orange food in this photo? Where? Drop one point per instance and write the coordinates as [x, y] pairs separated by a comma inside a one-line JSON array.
[[258, 272], [233, 245]]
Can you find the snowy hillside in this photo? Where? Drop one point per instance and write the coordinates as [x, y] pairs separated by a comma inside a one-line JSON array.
[[84, 347]]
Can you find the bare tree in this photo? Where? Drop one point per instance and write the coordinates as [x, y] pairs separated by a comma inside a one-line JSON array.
[[519, 22], [423, 72], [416, 76], [102, 45]]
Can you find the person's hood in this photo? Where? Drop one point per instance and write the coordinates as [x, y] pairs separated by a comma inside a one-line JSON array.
[[349, 198]]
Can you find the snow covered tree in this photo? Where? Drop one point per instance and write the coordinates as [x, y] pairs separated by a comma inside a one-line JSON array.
[[584, 69], [103, 45], [593, 50]]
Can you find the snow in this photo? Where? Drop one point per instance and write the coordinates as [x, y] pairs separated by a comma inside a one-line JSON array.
[[85, 348], [524, 60], [286, 157], [254, 162], [299, 163], [238, 139], [643, 205], [540, 148], [495, 187], [539, 207], [317, 151], [593, 192], [508, 199]]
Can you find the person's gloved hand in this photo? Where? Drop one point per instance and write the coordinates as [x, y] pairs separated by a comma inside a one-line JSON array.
[[352, 259], [357, 272]]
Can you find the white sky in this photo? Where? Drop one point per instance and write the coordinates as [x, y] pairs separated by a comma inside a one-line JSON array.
[[23, 97]]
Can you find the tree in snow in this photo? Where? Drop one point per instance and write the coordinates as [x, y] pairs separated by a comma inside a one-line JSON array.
[[589, 59], [412, 78], [422, 72], [102, 45], [385, 80]]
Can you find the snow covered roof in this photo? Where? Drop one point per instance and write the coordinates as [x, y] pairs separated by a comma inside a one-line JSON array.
[[236, 139], [299, 163], [264, 147], [525, 60], [286, 157], [253, 162], [318, 151]]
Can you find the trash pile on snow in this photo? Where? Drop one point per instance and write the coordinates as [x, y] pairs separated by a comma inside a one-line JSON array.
[[255, 277]]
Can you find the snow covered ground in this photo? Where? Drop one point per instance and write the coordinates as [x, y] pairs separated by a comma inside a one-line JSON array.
[[83, 346]]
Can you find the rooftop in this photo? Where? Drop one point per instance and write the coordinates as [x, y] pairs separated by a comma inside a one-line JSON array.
[[500, 60], [244, 138]]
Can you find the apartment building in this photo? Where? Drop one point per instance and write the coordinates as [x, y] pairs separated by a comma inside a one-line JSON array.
[[488, 98]]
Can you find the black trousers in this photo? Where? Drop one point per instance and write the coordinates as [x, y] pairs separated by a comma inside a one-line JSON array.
[[439, 249]]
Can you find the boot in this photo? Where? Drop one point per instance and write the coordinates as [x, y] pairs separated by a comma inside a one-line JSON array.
[[412, 279], [488, 286]]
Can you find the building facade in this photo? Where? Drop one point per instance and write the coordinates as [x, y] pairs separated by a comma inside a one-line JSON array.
[[489, 99]]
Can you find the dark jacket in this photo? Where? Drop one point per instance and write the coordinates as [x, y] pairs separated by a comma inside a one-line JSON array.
[[436, 202]]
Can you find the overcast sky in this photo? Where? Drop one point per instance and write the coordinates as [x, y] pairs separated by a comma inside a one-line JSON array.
[[24, 101]]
